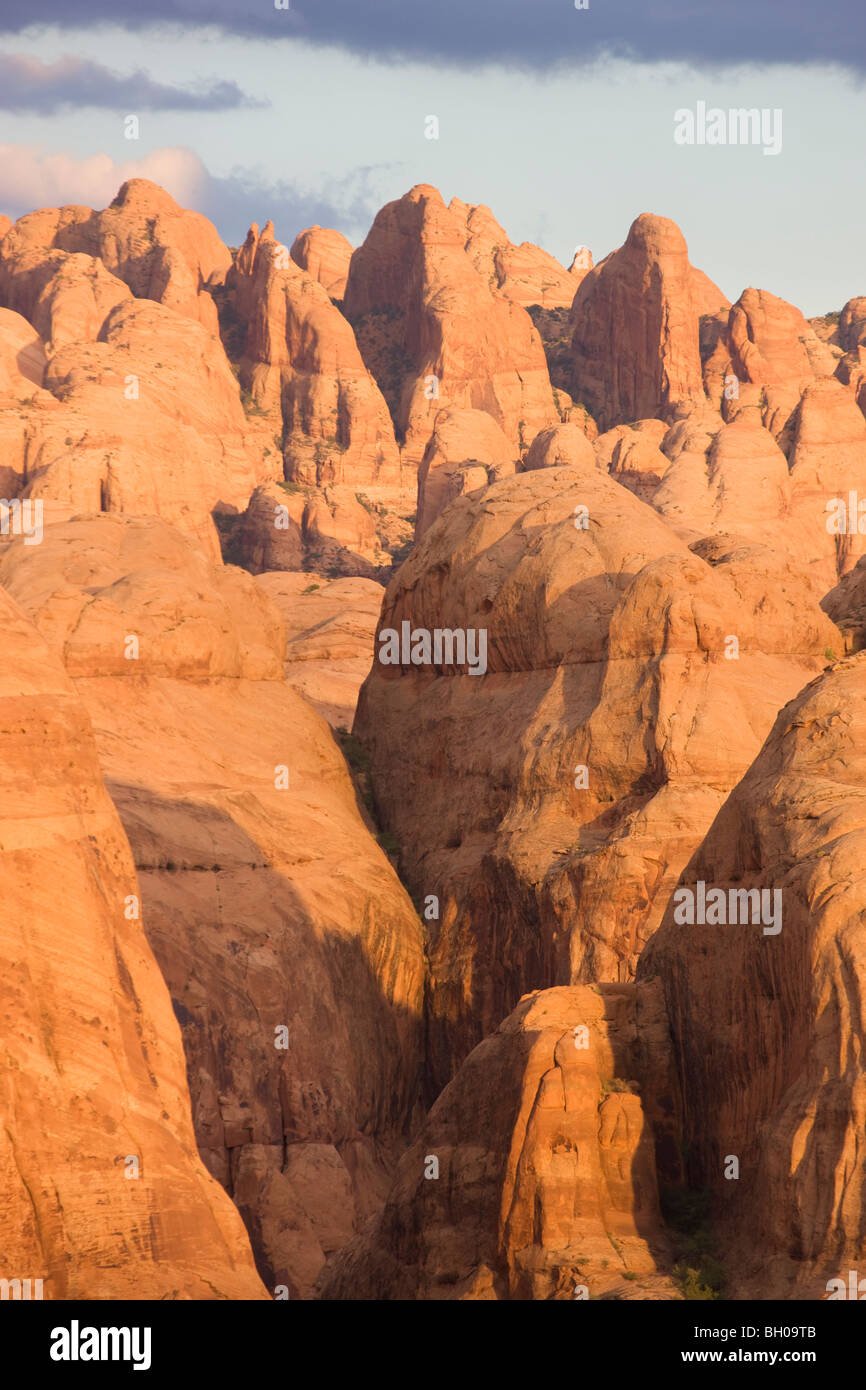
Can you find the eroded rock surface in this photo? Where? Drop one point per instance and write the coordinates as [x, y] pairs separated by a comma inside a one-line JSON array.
[[534, 1176], [467, 450], [636, 319], [293, 955], [330, 627], [102, 1193], [549, 803], [768, 1024], [324, 254], [144, 238], [301, 365], [435, 332], [524, 274]]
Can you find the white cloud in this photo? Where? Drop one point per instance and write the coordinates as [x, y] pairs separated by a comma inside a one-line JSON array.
[[33, 177]]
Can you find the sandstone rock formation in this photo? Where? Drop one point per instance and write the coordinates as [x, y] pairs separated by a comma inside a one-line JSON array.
[[638, 464], [22, 358], [559, 445], [767, 1025], [67, 297], [524, 274], [289, 527], [852, 323], [827, 462], [467, 449], [605, 445], [635, 316], [722, 478], [102, 1194], [158, 249], [291, 951], [534, 1176], [144, 415], [581, 262], [407, 863], [712, 478], [851, 337], [302, 367], [150, 424], [324, 254], [434, 331], [330, 626], [764, 358], [772, 342], [550, 803], [845, 604]]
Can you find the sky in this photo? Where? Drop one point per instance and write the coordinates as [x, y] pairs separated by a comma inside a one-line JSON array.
[[561, 120]]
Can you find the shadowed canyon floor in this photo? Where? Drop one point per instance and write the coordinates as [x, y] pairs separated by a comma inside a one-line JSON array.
[[433, 803]]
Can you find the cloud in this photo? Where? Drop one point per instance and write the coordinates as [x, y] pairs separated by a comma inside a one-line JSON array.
[[532, 34], [348, 203], [28, 84], [32, 177]]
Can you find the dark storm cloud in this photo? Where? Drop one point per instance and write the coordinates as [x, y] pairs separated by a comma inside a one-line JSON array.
[[28, 84], [534, 34]]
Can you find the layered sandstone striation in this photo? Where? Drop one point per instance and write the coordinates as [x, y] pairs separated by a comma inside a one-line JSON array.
[[768, 1025], [436, 333], [549, 804], [534, 1175], [640, 508], [292, 953], [302, 367], [102, 1193], [636, 350]]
